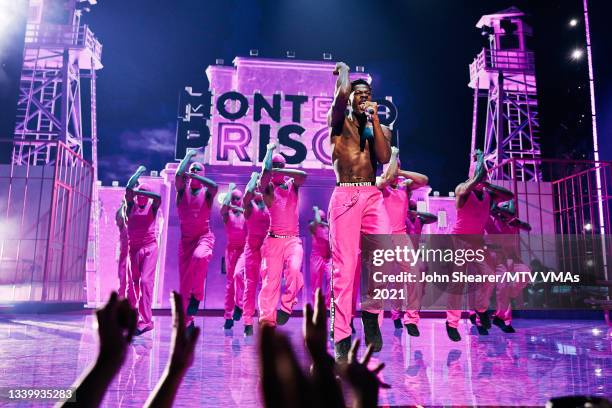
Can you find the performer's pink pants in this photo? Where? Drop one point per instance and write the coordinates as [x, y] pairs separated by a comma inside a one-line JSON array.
[[234, 284], [320, 268], [479, 295], [505, 292], [352, 211], [276, 253], [252, 264], [194, 258], [122, 270], [143, 261]]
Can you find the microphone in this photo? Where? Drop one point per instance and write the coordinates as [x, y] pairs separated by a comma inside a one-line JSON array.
[[369, 112]]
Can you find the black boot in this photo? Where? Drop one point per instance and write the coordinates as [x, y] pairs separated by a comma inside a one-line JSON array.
[[413, 330], [397, 323], [341, 350], [372, 330], [353, 331], [229, 323], [282, 317], [194, 305], [237, 313], [485, 321], [453, 333], [482, 330], [506, 328], [248, 330]]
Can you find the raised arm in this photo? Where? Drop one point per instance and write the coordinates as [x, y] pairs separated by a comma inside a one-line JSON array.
[[414, 180], [225, 207], [179, 178], [156, 197], [498, 194], [120, 215], [134, 179], [211, 186], [299, 176], [335, 117], [464, 189], [249, 193], [392, 170], [266, 165]]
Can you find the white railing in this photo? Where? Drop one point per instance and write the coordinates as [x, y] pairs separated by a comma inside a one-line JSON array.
[[494, 60], [55, 35]]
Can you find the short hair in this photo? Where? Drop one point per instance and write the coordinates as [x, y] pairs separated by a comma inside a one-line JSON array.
[[360, 81], [278, 161]]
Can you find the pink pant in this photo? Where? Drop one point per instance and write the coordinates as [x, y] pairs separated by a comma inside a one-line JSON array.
[[352, 211], [122, 270], [234, 284], [143, 261], [507, 291], [276, 253], [479, 295], [320, 268], [194, 257], [252, 264]]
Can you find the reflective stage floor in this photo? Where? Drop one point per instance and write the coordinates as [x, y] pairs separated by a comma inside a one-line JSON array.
[[545, 358]]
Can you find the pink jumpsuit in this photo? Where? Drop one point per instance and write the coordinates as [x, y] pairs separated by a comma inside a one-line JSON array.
[[143, 261], [396, 204], [506, 291], [471, 220], [257, 229], [352, 211], [122, 270], [195, 247], [320, 262], [236, 232], [278, 252]]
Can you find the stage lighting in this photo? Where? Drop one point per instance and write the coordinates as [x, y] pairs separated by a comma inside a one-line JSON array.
[[115, 183], [573, 22], [154, 173], [359, 68], [451, 193], [577, 54], [327, 56], [290, 54], [254, 53], [219, 61], [588, 226]]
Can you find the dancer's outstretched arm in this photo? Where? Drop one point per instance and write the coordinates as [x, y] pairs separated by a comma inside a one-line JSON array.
[[498, 194], [249, 193], [299, 176], [464, 189], [336, 114], [179, 178], [392, 170], [225, 207], [426, 218], [181, 358]]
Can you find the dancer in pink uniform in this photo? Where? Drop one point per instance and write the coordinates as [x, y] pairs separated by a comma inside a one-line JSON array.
[[194, 198], [473, 201], [142, 206], [503, 221], [396, 197], [123, 261], [320, 255], [236, 232], [283, 246], [358, 143], [258, 222]]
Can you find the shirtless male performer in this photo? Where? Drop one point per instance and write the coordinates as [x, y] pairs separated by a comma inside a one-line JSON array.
[[473, 200], [235, 231], [194, 199], [358, 143], [283, 246]]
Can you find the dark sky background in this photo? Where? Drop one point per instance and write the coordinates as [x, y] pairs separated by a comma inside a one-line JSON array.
[[416, 51]]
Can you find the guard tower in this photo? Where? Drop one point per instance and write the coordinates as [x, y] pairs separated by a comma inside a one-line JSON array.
[[504, 73], [51, 179]]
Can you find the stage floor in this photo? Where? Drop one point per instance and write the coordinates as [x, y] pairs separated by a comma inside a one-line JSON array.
[[545, 358]]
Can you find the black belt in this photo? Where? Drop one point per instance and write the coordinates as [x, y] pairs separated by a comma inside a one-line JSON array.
[[359, 184], [273, 235]]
